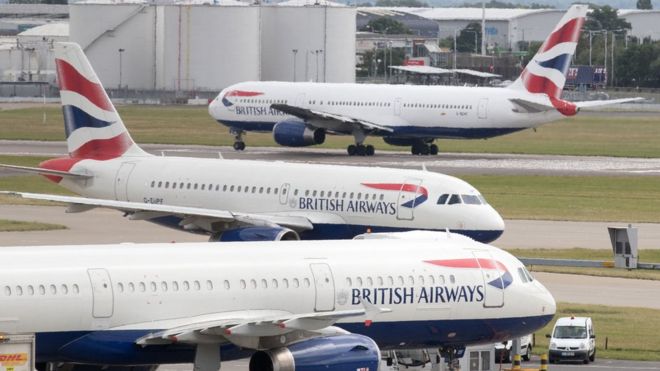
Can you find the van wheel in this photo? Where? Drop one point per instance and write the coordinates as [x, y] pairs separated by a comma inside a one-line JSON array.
[[586, 360], [593, 356], [528, 354]]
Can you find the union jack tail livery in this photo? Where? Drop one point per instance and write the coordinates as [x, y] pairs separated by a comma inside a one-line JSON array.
[[546, 72], [93, 127]]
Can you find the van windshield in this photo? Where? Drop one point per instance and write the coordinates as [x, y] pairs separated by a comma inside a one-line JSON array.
[[570, 332]]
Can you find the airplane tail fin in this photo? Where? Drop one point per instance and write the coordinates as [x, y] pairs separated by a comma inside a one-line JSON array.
[[546, 72], [93, 127]]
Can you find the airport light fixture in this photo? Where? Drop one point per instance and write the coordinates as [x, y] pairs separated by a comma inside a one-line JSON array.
[[295, 52], [121, 51]]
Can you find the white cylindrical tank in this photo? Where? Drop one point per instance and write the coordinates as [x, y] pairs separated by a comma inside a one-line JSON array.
[[315, 42]]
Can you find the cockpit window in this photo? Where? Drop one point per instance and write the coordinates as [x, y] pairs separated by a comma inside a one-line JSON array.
[[454, 199], [443, 199], [471, 200], [483, 200], [523, 276], [529, 275]]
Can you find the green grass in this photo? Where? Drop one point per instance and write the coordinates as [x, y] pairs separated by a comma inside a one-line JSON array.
[[640, 274], [576, 198], [631, 136], [646, 256], [632, 333], [19, 226]]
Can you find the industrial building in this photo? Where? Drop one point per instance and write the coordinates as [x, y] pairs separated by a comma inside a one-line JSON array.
[[208, 47]]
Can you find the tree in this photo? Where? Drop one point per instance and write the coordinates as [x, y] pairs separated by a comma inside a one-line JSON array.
[[386, 25], [644, 4], [605, 18], [465, 40], [639, 65]]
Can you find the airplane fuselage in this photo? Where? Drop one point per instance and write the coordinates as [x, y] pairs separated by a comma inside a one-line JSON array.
[[91, 303], [410, 111], [340, 201]]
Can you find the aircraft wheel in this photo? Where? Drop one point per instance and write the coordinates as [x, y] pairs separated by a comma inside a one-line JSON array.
[[352, 150], [424, 150], [433, 149], [239, 146], [370, 150], [361, 150], [414, 149]]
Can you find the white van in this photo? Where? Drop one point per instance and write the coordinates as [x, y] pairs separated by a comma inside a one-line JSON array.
[[572, 339], [503, 350]]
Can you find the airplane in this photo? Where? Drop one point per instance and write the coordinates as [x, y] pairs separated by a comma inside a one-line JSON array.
[[237, 200], [290, 305], [302, 113]]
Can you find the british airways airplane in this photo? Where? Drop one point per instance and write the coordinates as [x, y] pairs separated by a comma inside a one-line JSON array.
[[300, 114], [293, 305], [242, 200]]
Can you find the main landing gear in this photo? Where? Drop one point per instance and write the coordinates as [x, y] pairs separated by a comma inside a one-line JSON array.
[[424, 149], [239, 144], [360, 150]]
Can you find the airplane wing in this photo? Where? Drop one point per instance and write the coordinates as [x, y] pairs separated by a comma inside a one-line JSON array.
[[330, 121], [255, 329], [41, 171], [192, 217]]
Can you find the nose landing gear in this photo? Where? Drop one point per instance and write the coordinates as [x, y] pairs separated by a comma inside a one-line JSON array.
[[239, 144]]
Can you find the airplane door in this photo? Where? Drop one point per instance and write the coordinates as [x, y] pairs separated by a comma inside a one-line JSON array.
[[103, 303], [284, 193], [325, 287], [482, 108], [397, 107], [492, 278], [408, 197], [121, 181]]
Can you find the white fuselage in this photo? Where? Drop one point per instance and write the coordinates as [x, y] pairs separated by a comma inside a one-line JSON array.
[[411, 111], [340, 201], [77, 297]]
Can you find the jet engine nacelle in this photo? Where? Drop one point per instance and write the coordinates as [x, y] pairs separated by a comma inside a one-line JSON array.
[[333, 353], [564, 107], [295, 133], [256, 234]]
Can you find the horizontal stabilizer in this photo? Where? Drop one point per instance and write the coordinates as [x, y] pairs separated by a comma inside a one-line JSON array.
[[600, 103], [42, 171], [527, 106]]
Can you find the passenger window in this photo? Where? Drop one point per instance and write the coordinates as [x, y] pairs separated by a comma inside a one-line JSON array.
[[227, 285], [295, 192], [370, 282], [264, 283], [400, 280], [196, 285], [30, 290], [153, 286], [224, 188], [307, 282], [322, 194], [209, 285], [53, 289], [160, 184], [120, 287], [238, 189], [441, 280], [188, 186], [153, 183], [143, 287], [443, 199], [243, 285], [173, 185], [163, 286], [275, 190], [186, 286], [131, 287], [19, 291], [195, 185], [421, 280], [76, 289], [175, 286], [253, 283], [268, 190], [380, 281], [261, 189], [274, 284], [296, 283], [285, 283], [471, 200], [454, 199], [359, 195], [231, 189], [167, 185], [411, 280], [359, 281], [452, 279], [349, 282], [203, 187], [254, 189], [431, 280], [390, 280], [314, 194]]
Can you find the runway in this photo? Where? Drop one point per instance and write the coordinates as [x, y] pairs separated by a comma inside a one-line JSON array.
[[450, 163]]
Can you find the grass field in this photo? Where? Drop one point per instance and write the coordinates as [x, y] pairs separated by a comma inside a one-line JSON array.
[[20, 226], [640, 274], [612, 135], [632, 333]]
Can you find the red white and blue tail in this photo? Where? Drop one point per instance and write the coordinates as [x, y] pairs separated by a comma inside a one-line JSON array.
[[93, 127], [546, 72]]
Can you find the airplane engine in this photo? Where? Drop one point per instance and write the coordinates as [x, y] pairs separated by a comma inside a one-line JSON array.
[[334, 353], [255, 234], [295, 133]]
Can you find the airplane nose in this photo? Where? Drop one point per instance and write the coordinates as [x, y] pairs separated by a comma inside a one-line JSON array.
[[212, 107], [546, 300]]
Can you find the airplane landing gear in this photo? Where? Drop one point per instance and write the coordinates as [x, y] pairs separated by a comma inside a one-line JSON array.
[[360, 150], [239, 145], [424, 149], [451, 356]]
